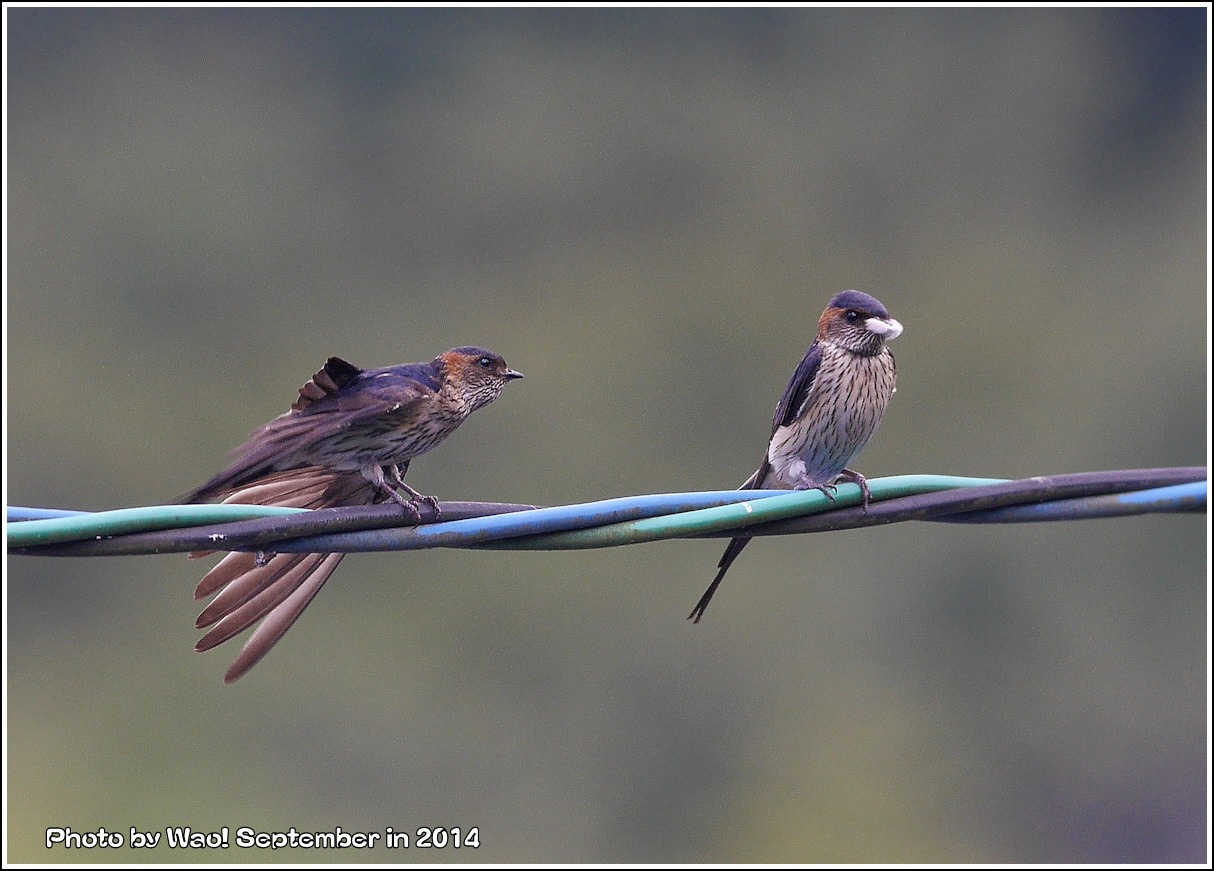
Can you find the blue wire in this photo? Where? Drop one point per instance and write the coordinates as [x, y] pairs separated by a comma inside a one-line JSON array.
[[122, 521], [1177, 498], [562, 518], [604, 523], [625, 520], [17, 514]]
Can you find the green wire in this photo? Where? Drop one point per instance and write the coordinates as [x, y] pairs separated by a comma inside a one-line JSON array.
[[122, 521], [736, 516], [102, 524], [570, 527]]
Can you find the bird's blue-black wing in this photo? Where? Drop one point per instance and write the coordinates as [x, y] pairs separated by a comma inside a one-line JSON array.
[[798, 388], [790, 403], [335, 398]]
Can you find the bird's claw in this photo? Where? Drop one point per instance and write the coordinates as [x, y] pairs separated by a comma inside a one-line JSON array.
[[829, 490], [432, 501], [866, 495], [411, 502]]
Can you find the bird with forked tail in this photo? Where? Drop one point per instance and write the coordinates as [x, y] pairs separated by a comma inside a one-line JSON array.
[[348, 440], [830, 408]]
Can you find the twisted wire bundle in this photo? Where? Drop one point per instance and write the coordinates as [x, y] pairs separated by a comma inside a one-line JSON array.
[[606, 523]]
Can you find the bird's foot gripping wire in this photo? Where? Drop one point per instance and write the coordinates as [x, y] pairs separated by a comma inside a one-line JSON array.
[[412, 504], [414, 501], [866, 495], [846, 476], [827, 490], [415, 498]]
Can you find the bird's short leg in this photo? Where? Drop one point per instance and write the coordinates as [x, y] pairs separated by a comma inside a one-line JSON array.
[[432, 501], [375, 474], [866, 495]]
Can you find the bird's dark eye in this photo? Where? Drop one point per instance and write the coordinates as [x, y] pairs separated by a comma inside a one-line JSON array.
[[484, 362], [852, 316]]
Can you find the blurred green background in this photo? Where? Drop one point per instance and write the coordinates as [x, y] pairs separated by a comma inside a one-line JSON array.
[[645, 211]]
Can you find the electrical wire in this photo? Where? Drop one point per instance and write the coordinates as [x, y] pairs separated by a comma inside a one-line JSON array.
[[604, 523]]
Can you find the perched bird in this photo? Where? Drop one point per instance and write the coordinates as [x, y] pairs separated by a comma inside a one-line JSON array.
[[828, 411], [347, 440]]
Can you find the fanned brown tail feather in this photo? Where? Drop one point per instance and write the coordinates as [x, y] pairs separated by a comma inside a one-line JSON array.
[[278, 621], [274, 590]]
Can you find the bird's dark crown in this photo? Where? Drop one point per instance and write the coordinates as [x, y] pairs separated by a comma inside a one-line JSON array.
[[469, 355], [471, 351], [861, 302]]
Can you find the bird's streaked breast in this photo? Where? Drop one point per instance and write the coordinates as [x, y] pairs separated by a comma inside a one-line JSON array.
[[843, 408]]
